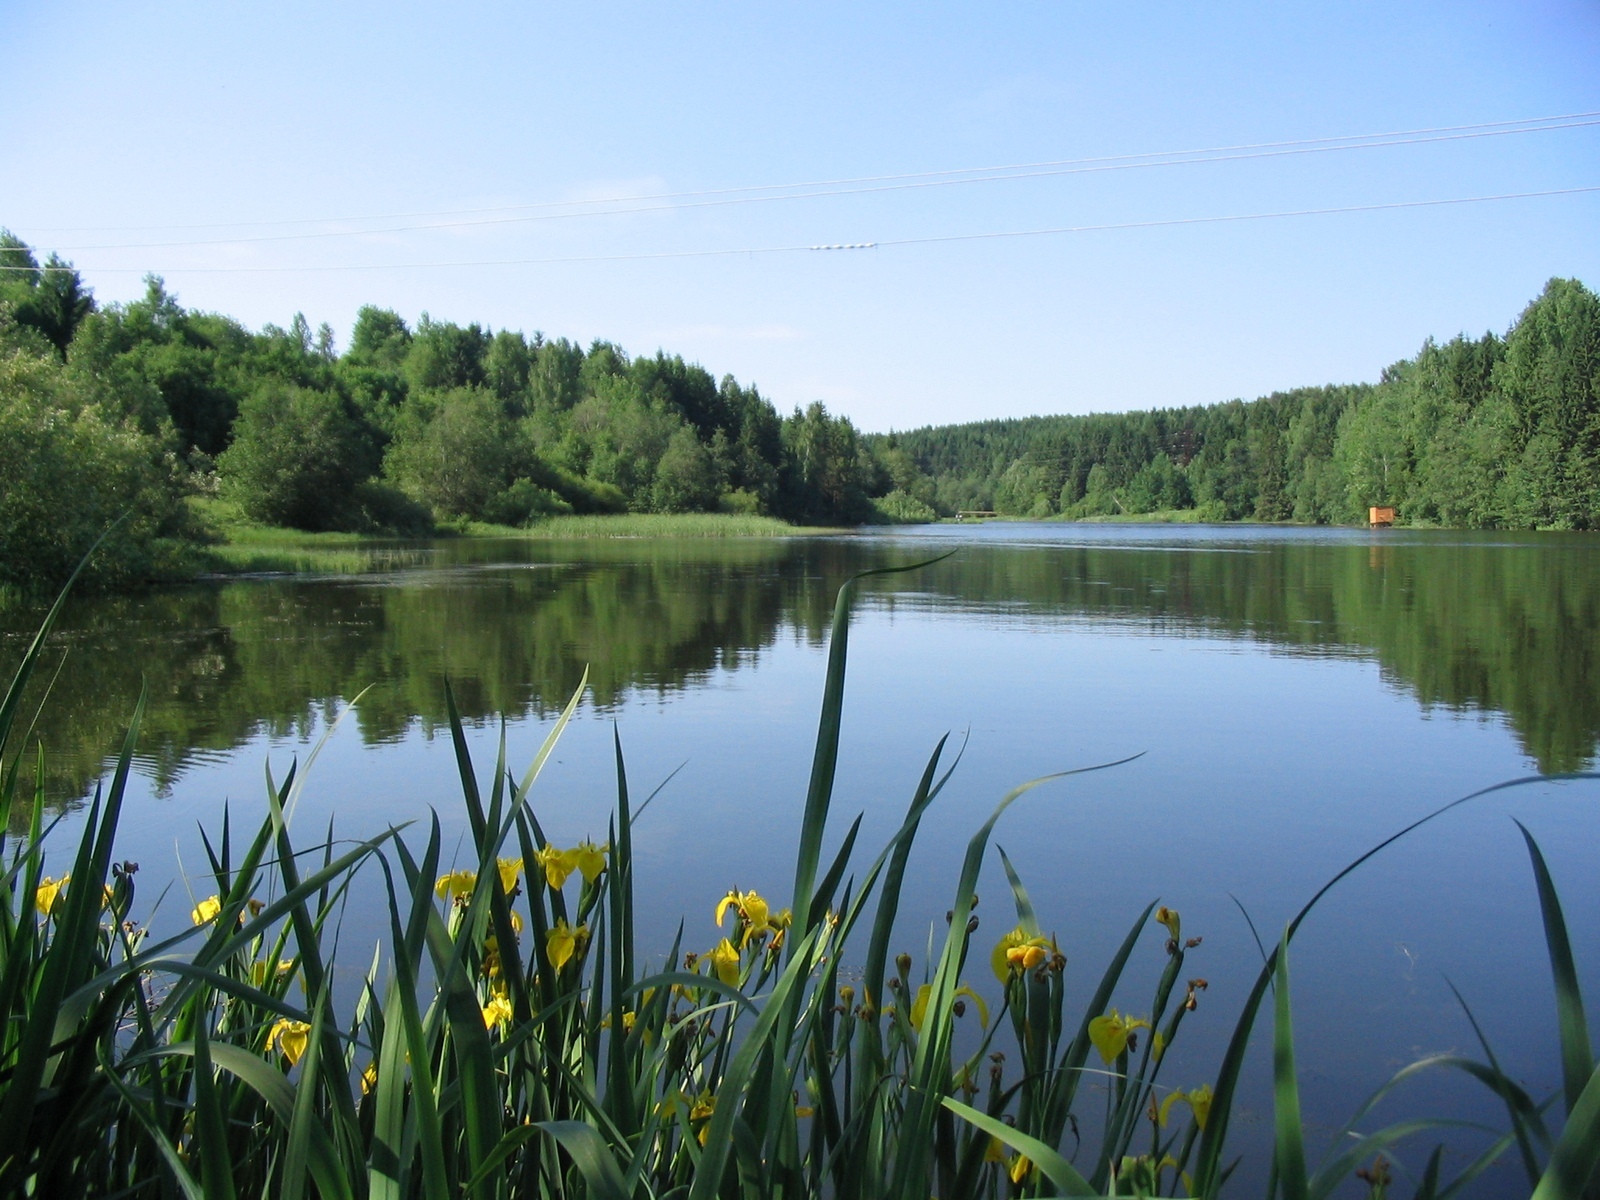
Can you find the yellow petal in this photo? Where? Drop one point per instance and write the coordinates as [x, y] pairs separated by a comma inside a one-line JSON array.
[[1020, 1166], [731, 900], [557, 866], [1109, 1035], [1200, 1102], [50, 891], [206, 910], [1169, 917], [457, 885], [725, 962], [589, 859], [983, 1009], [919, 1006], [509, 869], [1166, 1106], [559, 944], [498, 1011], [290, 1037], [999, 960]]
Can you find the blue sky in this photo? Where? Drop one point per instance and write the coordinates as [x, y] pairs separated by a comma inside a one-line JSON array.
[[133, 124]]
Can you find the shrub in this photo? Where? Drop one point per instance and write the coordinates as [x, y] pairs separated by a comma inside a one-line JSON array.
[[70, 470], [900, 508], [457, 452], [524, 501], [295, 459]]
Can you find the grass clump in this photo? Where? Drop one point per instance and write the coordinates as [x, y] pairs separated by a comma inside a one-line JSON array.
[[509, 1039], [650, 525]]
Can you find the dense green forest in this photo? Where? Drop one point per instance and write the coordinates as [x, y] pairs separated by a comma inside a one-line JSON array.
[[1498, 432], [135, 408]]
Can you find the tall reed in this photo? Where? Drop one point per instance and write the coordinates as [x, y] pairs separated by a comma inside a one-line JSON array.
[[509, 1040]]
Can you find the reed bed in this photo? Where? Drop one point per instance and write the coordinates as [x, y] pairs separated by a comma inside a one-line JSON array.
[[508, 1039]]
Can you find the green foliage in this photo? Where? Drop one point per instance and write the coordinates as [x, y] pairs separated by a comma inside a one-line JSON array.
[[50, 299], [901, 508], [1492, 433], [296, 458], [458, 452], [72, 469]]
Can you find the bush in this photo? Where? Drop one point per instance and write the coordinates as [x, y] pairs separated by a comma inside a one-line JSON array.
[[70, 471], [295, 459], [458, 452], [524, 501], [383, 508], [900, 508]]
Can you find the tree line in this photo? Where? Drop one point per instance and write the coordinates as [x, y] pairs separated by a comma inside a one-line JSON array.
[[129, 408], [1493, 432]]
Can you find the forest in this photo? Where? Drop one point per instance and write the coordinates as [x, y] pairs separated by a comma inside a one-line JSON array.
[[139, 410], [1493, 432]]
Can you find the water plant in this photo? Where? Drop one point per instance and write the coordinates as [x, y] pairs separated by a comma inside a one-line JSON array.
[[509, 1038]]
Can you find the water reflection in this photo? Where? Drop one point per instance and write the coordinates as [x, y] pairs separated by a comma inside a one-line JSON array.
[[1504, 626]]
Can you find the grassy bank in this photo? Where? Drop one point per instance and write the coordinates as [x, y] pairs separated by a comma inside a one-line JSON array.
[[242, 547], [650, 525], [507, 1039]]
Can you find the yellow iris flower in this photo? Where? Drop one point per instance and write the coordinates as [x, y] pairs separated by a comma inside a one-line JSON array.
[[1169, 917], [919, 1006], [1017, 951], [725, 962], [556, 864], [290, 1037], [498, 1011], [509, 869], [705, 1105], [206, 910], [457, 886], [589, 859], [261, 972], [562, 942], [49, 892], [1110, 1033], [369, 1078]]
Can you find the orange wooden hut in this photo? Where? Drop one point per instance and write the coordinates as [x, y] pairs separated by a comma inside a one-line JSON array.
[[1380, 516]]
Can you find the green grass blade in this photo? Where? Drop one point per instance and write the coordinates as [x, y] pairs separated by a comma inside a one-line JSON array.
[[1057, 1169], [1577, 1151], [1577, 1056], [1208, 1166], [708, 1177], [591, 1156], [155, 1131], [825, 758], [211, 1130], [297, 1147], [1290, 1149]]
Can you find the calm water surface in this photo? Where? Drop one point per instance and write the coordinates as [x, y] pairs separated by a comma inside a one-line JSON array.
[[1296, 694]]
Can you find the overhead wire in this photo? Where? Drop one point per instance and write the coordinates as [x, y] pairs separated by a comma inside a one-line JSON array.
[[852, 246], [726, 197]]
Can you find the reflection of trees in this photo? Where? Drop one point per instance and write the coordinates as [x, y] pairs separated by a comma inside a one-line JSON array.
[[1499, 623], [1511, 628], [227, 661]]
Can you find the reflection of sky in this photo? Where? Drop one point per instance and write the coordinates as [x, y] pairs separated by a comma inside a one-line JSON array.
[[1263, 773]]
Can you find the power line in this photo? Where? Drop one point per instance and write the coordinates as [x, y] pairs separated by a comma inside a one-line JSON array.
[[842, 246], [888, 183]]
